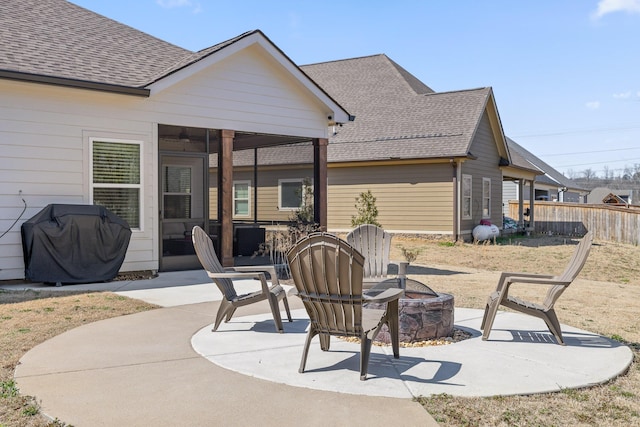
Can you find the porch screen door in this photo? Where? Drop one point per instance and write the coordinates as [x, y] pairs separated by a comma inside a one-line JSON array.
[[183, 206]]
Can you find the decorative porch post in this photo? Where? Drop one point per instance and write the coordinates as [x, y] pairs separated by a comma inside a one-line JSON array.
[[226, 197], [532, 196], [320, 182], [521, 204]]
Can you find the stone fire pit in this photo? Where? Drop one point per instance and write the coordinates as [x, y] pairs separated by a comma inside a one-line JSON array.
[[423, 314]]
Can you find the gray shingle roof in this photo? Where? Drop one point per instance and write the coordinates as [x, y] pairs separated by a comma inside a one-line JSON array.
[[57, 38], [551, 176], [403, 116]]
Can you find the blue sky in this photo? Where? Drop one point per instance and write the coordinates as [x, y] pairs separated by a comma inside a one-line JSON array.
[[565, 73]]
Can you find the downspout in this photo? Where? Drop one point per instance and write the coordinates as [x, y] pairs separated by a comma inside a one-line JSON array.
[[456, 199]]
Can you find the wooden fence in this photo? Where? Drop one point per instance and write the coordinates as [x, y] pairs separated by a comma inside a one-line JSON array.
[[612, 223]]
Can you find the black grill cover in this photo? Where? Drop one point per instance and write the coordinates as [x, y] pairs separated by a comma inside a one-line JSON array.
[[74, 244]]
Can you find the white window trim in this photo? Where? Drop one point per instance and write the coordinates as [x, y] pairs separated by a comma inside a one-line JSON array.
[[470, 197], [248, 183], [280, 182], [488, 215], [139, 186]]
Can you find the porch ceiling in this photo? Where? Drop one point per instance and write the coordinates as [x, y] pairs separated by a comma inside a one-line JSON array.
[[242, 140]]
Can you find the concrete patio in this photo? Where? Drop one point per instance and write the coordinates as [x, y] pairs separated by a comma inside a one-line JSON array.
[[165, 366]]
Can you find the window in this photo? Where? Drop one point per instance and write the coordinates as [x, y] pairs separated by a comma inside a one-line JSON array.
[[486, 197], [116, 178], [292, 192], [466, 196], [177, 191], [241, 198]]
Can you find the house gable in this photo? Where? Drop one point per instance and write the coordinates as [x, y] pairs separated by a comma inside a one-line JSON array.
[[281, 68], [247, 91]]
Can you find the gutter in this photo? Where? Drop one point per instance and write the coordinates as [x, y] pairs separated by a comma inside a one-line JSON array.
[[74, 83]]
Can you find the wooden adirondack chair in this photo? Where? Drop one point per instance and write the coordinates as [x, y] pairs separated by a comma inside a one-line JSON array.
[[223, 277], [544, 311], [375, 244], [328, 273]]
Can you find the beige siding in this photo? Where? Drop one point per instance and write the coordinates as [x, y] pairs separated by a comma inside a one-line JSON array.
[[267, 192], [485, 166], [409, 198]]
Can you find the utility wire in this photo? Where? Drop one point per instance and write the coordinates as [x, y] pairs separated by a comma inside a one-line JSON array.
[[570, 132], [589, 152], [599, 163]]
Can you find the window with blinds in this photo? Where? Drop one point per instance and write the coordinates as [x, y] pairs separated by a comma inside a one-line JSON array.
[[241, 201], [466, 196], [116, 178], [486, 197]]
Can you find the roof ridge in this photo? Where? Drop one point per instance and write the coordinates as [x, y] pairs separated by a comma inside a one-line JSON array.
[[414, 83], [194, 57], [478, 89], [343, 60]]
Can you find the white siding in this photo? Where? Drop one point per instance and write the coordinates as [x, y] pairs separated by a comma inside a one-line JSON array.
[[243, 92], [45, 131], [509, 193]]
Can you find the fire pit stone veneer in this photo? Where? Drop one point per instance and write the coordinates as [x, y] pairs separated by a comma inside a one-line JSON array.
[[423, 314]]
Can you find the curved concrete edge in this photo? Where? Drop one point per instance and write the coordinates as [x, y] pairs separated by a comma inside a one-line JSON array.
[[140, 370], [519, 359]]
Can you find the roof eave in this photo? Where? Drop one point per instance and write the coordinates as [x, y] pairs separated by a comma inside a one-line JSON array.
[[74, 83]]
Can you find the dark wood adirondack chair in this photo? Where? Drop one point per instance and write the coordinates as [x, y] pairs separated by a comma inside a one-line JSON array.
[[328, 273], [223, 277]]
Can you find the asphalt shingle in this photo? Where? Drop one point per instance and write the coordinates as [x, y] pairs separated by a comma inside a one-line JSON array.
[[60, 39], [397, 116]]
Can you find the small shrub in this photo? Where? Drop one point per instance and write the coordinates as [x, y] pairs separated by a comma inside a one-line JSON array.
[[30, 410], [8, 389], [618, 338], [367, 210], [409, 254]]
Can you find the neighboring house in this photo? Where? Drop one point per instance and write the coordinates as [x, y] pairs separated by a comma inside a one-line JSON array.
[[550, 185], [435, 161], [95, 112], [623, 197]]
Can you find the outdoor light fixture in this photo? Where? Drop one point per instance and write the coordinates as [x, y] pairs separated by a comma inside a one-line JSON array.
[[184, 136]]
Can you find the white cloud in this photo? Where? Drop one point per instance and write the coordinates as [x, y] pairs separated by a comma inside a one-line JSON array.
[[623, 95], [169, 4], [593, 105], [612, 6]]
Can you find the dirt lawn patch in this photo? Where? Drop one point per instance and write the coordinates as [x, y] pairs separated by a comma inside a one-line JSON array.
[[604, 299]]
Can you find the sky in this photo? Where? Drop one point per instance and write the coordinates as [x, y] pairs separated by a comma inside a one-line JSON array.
[[565, 73]]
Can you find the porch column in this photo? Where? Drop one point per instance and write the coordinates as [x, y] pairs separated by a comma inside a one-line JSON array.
[[320, 182], [226, 197], [532, 196], [521, 204]]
